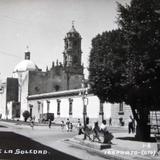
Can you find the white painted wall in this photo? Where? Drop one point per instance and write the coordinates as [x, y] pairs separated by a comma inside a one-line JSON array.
[[23, 79], [3, 102], [53, 106], [9, 108], [64, 107], [107, 110], [77, 107], [93, 107], [44, 106]]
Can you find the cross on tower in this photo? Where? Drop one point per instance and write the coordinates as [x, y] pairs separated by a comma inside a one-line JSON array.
[[73, 23]]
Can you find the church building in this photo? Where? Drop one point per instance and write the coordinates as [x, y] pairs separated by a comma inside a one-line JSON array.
[[58, 90]]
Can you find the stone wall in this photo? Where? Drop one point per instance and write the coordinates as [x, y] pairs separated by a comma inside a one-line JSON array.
[[52, 81]]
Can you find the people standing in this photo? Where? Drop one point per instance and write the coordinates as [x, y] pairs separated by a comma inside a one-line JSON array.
[[67, 124], [80, 129], [130, 125], [78, 122], [110, 121], [62, 125], [79, 126], [134, 125], [32, 123], [49, 123], [70, 127]]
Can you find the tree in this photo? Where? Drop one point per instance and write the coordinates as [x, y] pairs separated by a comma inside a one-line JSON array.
[[107, 59], [26, 115], [125, 64], [140, 24]]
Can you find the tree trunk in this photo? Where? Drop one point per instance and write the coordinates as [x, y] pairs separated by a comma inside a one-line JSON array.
[[143, 128]]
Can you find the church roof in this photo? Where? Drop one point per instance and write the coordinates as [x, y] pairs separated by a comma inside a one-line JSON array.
[[73, 29], [25, 65], [73, 32]]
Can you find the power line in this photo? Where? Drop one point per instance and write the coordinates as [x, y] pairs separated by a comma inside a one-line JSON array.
[[14, 20], [9, 54]]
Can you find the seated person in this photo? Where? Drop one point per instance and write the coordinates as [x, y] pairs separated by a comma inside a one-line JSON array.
[[103, 126], [107, 135]]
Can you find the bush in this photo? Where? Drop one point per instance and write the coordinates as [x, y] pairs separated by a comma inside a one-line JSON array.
[[26, 115]]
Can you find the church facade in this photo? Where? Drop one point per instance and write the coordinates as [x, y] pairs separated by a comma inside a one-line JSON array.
[[57, 90]]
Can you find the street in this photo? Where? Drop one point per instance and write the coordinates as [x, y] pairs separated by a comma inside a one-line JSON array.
[[13, 145], [23, 138]]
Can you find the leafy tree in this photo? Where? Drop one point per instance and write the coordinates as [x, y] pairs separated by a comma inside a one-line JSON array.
[[125, 64], [26, 115], [140, 23], [107, 59]]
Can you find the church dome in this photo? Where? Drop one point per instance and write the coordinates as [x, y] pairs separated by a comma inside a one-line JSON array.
[[25, 65]]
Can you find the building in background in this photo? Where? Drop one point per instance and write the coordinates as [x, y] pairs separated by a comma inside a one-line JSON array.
[[120, 113]]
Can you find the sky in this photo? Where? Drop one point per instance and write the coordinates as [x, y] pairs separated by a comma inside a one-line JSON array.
[[43, 24]]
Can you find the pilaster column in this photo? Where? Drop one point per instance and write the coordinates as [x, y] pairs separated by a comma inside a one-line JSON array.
[[48, 105], [101, 112], [31, 107], [58, 107], [39, 108], [70, 106]]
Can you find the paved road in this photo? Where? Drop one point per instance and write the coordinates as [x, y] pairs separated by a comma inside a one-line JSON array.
[[13, 145], [54, 139]]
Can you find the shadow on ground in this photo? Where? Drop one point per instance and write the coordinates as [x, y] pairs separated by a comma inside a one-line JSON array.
[[2, 126], [17, 147], [152, 139]]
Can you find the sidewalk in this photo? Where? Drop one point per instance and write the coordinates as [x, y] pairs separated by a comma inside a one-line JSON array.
[[122, 149]]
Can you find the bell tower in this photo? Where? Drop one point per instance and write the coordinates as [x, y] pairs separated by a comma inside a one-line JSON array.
[[72, 50]]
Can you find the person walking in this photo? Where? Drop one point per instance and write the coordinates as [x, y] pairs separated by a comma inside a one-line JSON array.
[[96, 130]]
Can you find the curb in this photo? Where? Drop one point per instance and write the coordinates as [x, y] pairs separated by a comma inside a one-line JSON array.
[[76, 143]]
